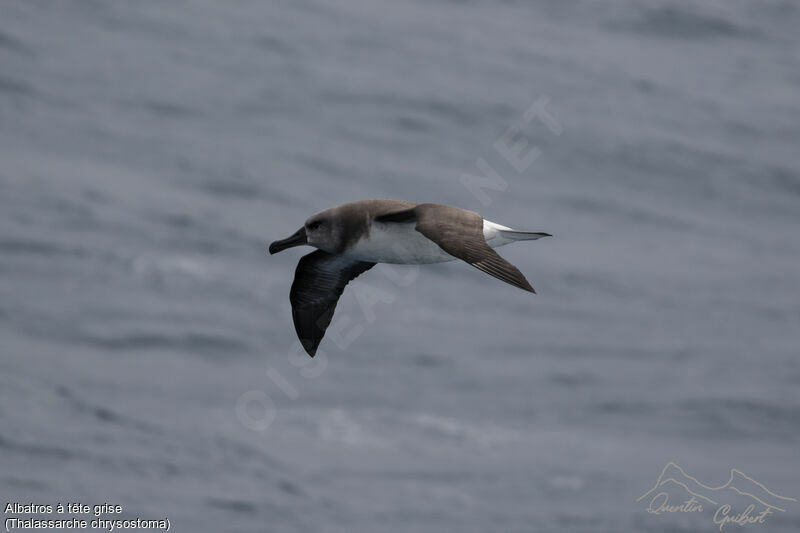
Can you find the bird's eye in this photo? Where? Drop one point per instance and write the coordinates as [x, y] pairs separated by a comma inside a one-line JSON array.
[[314, 225]]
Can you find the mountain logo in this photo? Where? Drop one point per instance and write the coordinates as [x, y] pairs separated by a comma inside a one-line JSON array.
[[741, 500]]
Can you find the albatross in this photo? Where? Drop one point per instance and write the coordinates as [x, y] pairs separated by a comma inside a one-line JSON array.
[[353, 237]]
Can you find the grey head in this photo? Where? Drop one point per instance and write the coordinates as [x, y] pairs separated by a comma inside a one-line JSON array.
[[321, 231], [336, 229]]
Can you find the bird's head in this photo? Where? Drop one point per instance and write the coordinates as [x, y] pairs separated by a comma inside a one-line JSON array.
[[319, 231]]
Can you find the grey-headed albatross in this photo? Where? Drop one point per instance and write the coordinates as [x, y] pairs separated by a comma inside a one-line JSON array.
[[351, 238]]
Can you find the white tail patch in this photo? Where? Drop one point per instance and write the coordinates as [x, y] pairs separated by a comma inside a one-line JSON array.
[[498, 235]]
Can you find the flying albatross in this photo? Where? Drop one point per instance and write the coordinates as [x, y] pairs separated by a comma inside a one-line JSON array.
[[351, 238]]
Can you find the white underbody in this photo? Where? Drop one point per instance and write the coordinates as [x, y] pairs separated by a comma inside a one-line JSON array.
[[402, 244]]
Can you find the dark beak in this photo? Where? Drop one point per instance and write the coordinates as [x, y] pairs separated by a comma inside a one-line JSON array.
[[298, 238]]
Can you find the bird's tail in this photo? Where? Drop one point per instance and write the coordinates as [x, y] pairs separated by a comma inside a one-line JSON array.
[[512, 235]]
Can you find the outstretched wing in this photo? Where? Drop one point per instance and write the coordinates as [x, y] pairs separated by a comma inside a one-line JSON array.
[[319, 280], [459, 233]]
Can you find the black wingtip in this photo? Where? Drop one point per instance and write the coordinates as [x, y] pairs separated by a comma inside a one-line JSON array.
[[310, 347], [527, 287], [543, 234]]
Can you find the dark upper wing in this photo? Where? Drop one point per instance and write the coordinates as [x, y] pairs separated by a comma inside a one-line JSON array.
[[401, 216], [319, 280], [460, 233]]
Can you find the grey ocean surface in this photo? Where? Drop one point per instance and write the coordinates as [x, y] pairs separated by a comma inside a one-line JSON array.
[[150, 151]]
